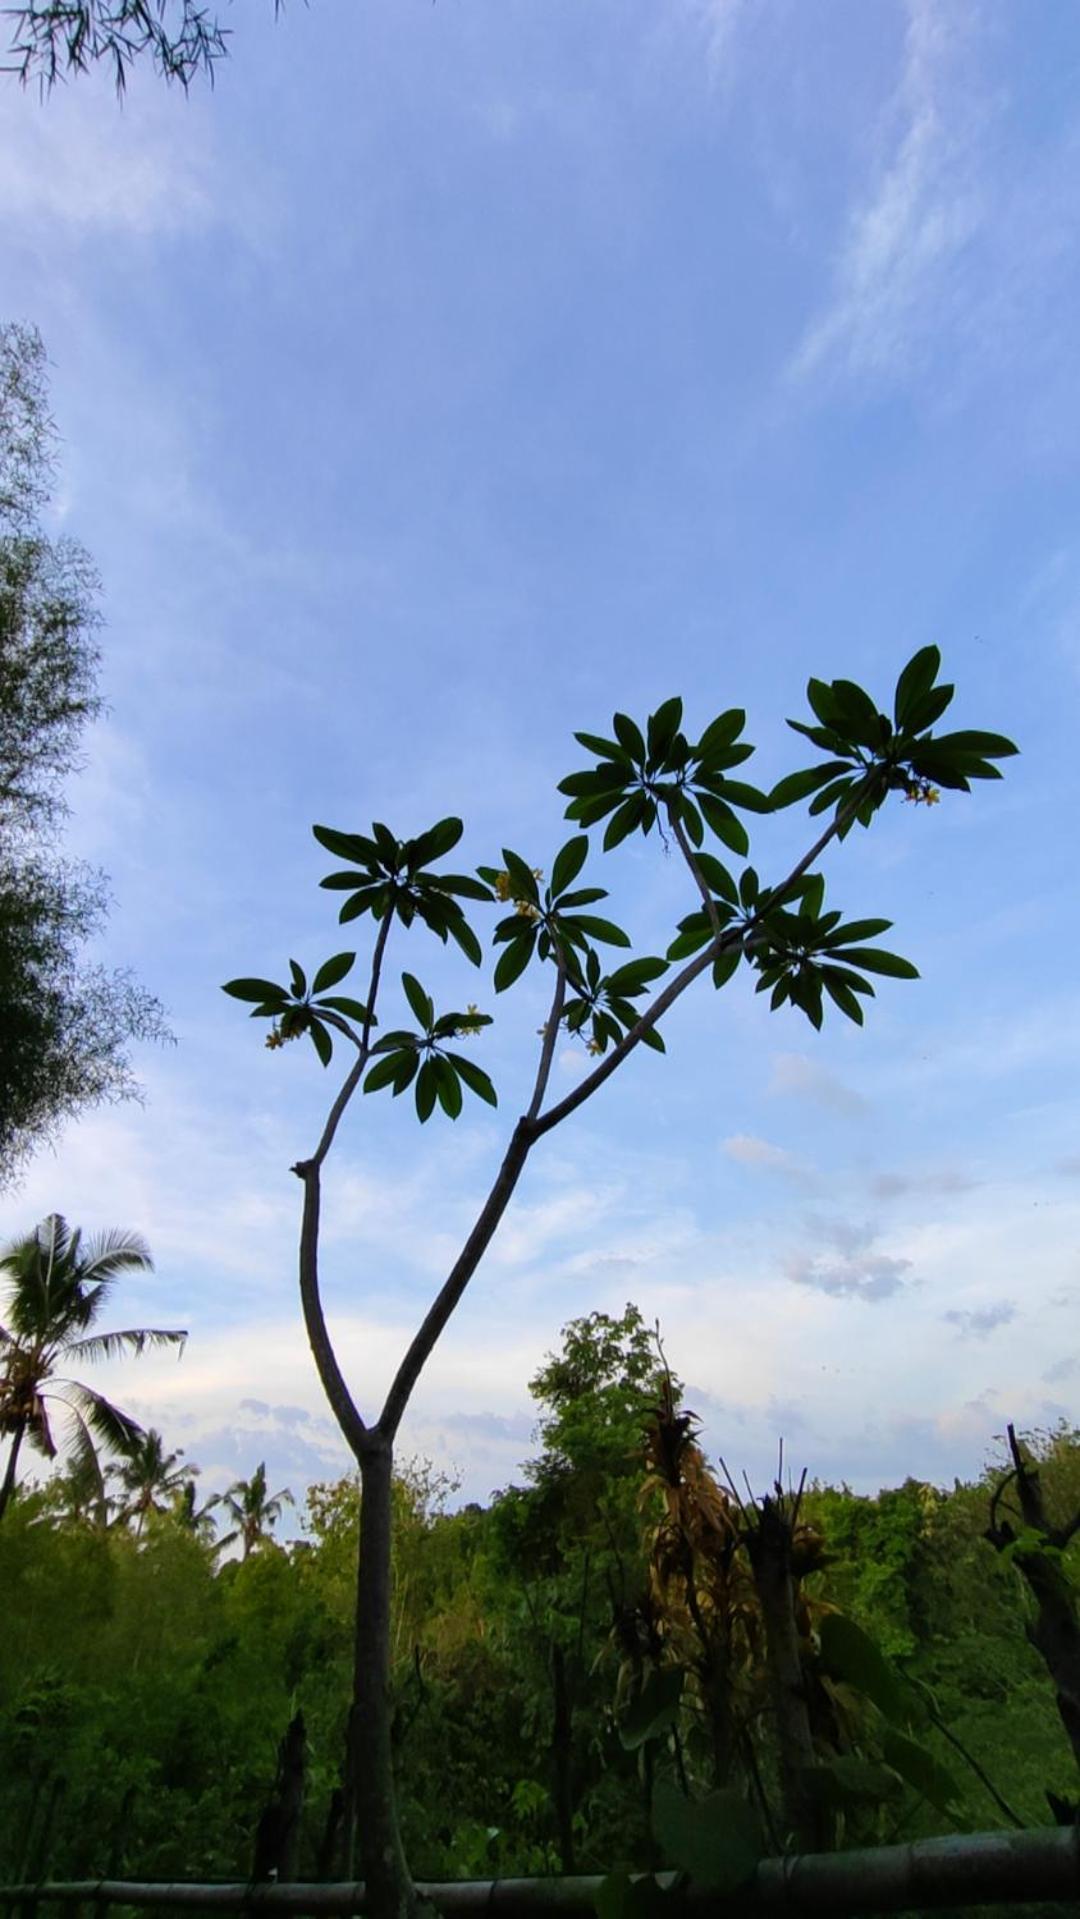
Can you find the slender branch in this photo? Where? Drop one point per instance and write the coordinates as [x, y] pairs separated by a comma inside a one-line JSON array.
[[700, 881], [522, 1140], [341, 1400], [343, 1405], [551, 1034], [353, 1078], [723, 943]]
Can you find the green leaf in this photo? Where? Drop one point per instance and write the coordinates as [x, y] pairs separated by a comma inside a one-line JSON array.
[[332, 971], [823, 702], [595, 743], [691, 940], [725, 824], [419, 1004], [813, 894], [720, 732], [924, 712], [655, 1709], [871, 959], [629, 737], [299, 980], [388, 845], [842, 996], [750, 798], [447, 1087], [836, 790], [582, 896], [857, 712], [460, 930], [856, 930], [635, 975], [348, 846], [914, 683], [387, 1070], [797, 786], [569, 861], [462, 884], [662, 728], [849, 1654], [390, 1042], [920, 1769], [716, 1840], [514, 961], [368, 897], [474, 1077], [982, 746], [340, 1003], [588, 812], [622, 823], [726, 967], [321, 1041], [426, 1093], [260, 991], [599, 929], [438, 840], [522, 877]]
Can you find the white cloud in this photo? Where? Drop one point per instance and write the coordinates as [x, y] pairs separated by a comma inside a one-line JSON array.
[[977, 1321], [797, 1074], [717, 21], [924, 208], [746, 1150], [81, 161]]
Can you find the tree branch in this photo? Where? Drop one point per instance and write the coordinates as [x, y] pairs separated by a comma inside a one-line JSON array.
[[723, 943], [551, 1034], [522, 1139]]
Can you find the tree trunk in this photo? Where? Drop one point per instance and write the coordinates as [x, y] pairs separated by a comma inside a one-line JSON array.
[[389, 1886], [769, 1546], [8, 1486], [562, 1749]]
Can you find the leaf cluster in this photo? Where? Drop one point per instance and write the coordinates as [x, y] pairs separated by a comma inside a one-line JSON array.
[[421, 1060], [656, 774], [872, 755], [389, 875], [299, 1008]]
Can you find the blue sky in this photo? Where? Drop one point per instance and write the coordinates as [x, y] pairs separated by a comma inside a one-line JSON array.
[[447, 377]]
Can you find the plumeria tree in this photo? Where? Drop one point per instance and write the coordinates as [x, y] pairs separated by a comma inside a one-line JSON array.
[[797, 950]]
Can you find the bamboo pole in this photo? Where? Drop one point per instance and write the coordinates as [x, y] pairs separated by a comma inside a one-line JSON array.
[[931, 1874]]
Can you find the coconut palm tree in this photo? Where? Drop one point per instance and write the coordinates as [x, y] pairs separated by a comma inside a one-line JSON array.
[[149, 1478], [196, 1520], [254, 1515], [57, 1284]]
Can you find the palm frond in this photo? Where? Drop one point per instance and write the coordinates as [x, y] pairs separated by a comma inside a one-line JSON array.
[[113, 1252], [131, 1339], [85, 1462], [113, 1427]]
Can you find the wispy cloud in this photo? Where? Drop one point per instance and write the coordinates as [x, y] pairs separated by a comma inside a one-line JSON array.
[[799, 1075], [923, 208], [746, 1150], [848, 1268], [977, 1322], [86, 165]]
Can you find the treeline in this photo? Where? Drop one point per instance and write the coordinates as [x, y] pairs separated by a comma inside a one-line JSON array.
[[558, 1655]]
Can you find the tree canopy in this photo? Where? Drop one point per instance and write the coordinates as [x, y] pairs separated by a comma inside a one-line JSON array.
[[66, 1024]]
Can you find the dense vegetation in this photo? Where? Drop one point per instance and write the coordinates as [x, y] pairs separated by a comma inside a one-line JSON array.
[[146, 1680]]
